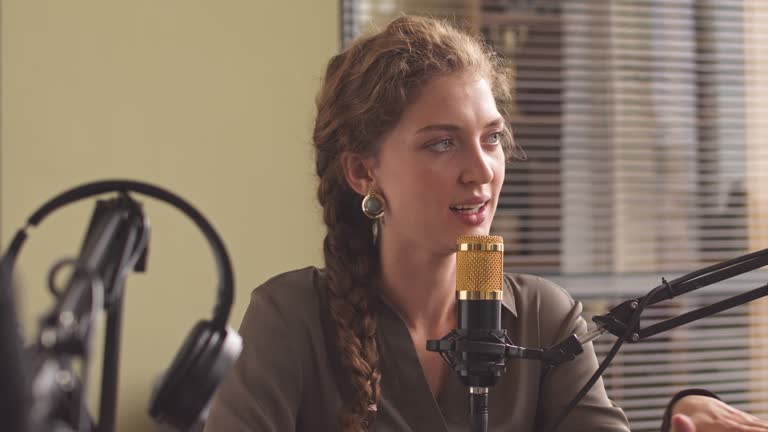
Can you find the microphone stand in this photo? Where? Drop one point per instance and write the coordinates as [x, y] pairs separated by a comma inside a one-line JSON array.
[[486, 354], [479, 358], [15, 396], [115, 243]]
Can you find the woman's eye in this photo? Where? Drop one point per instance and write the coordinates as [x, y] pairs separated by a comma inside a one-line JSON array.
[[442, 145], [494, 138]]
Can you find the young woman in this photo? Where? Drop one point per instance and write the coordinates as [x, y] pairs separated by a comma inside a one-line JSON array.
[[411, 146]]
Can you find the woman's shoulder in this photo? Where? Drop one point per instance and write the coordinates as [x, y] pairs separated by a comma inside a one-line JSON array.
[[541, 301], [292, 294], [291, 283], [528, 288]]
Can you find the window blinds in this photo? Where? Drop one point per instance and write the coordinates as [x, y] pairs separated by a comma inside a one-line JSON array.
[[644, 125]]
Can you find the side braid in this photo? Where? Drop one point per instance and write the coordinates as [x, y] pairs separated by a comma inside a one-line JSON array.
[[351, 264]]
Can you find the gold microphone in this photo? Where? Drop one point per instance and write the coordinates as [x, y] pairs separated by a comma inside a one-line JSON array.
[[479, 267], [479, 281]]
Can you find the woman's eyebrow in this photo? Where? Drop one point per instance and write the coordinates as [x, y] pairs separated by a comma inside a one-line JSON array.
[[439, 127], [449, 127], [496, 122]]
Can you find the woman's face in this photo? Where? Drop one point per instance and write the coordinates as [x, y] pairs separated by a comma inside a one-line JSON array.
[[441, 168]]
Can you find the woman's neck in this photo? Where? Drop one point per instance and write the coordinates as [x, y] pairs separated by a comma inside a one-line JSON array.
[[419, 284]]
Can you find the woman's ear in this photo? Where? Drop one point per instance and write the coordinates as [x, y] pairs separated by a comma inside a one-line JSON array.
[[358, 171]]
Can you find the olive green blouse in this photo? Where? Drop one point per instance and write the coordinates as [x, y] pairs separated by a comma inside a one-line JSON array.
[[288, 378]]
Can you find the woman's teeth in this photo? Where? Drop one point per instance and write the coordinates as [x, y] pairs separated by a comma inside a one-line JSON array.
[[467, 208]]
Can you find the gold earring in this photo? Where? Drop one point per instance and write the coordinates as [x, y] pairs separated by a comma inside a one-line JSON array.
[[373, 205]]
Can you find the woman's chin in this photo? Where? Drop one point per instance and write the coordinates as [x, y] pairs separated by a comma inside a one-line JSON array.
[[479, 230], [474, 231]]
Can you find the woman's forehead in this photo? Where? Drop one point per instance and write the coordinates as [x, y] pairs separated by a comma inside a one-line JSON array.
[[448, 99]]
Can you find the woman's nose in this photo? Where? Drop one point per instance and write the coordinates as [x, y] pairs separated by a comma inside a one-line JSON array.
[[477, 166]]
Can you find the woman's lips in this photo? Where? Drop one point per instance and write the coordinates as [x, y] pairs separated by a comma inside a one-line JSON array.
[[472, 217]]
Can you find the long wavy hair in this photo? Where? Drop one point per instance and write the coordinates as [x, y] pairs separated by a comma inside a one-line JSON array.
[[366, 89]]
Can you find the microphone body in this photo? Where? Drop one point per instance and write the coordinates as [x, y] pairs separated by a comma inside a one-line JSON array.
[[479, 282], [477, 317], [479, 314]]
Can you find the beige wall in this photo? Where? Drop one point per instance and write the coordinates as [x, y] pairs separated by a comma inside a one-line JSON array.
[[213, 100], [756, 133]]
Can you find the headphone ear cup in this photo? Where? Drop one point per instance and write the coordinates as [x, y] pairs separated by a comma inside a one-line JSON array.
[[185, 389]]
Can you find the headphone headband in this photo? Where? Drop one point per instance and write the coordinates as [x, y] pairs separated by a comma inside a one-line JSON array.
[[225, 290]]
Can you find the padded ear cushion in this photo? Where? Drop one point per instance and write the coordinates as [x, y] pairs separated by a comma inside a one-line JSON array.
[[198, 368]]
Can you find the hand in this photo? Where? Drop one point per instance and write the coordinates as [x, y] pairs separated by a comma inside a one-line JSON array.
[[706, 414]]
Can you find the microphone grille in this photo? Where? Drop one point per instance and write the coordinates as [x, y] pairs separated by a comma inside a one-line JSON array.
[[479, 263]]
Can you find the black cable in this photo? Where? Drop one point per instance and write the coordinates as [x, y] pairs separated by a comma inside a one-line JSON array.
[[53, 272], [608, 358], [592, 380]]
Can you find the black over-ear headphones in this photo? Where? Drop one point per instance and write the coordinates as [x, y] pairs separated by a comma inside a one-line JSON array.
[[210, 349]]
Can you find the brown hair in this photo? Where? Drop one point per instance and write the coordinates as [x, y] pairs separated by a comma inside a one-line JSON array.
[[366, 89]]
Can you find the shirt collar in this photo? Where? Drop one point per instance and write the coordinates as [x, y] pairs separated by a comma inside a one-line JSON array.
[[508, 296]]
